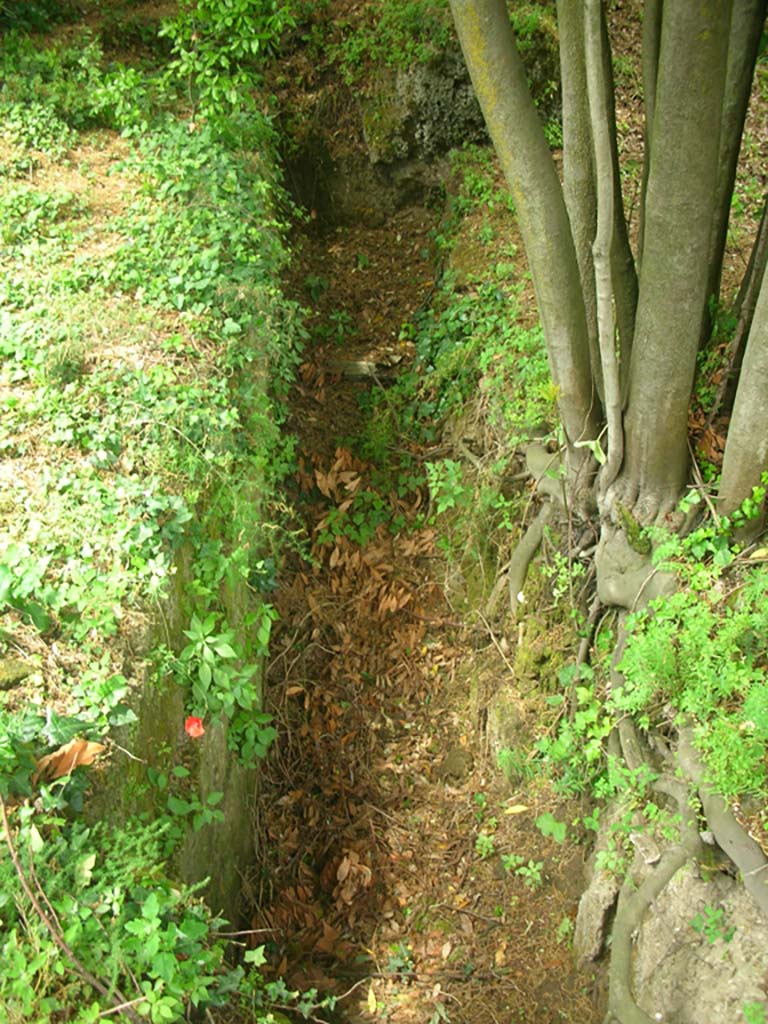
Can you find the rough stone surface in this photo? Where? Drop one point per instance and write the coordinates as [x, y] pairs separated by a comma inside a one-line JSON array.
[[595, 906], [679, 975], [421, 112], [682, 978]]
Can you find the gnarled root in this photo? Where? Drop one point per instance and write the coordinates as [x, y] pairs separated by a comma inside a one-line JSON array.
[[730, 836], [523, 555], [634, 902], [517, 568]]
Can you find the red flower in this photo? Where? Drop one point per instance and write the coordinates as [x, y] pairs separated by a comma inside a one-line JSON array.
[[194, 727]]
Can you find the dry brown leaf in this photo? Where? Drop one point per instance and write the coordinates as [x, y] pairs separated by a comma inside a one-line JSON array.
[[64, 760], [327, 941], [343, 869]]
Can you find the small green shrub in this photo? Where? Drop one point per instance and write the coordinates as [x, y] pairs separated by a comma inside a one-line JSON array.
[[26, 213], [217, 50], [706, 659], [403, 32], [712, 925]]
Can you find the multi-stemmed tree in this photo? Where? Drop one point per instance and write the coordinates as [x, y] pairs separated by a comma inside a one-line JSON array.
[[623, 328], [624, 319]]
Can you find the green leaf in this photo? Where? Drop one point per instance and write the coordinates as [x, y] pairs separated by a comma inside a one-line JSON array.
[[84, 869], [205, 674], [225, 650], [548, 825], [36, 842], [150, 907], [178, 806]]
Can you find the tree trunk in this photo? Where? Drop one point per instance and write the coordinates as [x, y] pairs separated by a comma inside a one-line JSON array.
[[578, 167], [746, 28], [623, 273], [673, 281], [500, 84], [652, 13], [744, 311], [746, 449], [601, 116]]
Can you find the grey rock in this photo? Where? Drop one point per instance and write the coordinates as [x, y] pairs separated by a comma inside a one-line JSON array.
[[592, 918]]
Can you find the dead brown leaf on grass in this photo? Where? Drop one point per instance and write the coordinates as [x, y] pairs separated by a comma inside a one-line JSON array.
[[63, 761]]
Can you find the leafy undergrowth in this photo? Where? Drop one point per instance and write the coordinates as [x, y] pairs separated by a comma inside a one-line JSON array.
[[146, 353]]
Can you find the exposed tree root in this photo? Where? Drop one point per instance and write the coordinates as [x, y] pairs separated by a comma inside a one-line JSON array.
[[523, 555], [541, 465], [731, 837], [634, 902]]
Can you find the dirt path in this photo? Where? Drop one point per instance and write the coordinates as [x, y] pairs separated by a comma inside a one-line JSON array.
[[400, 862]]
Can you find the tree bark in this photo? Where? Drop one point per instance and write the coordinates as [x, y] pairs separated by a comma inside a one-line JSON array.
[[500, 85], [673, 281], [601, 117], [623, 272], [746, 448], [746, 28], [744, 311], [578, 168], [652, 13]]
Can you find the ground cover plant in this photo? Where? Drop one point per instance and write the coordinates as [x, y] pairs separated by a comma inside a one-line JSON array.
[[147, 350]]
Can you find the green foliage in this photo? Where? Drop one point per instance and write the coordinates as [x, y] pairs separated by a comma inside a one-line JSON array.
[[485, 845], [123, 920], [204, 226], [754, 1013], [564, 575], [697, 656], [712, 925], [704, 658], [217, 49], [548, 825], [515, 764], [169, 442], [400, 961], [576, 752], [33, 15], [213, 669], [404, 32], [446, 487], [477, 183], [465, 344], [84, 585], [531, 872], [48, 95]]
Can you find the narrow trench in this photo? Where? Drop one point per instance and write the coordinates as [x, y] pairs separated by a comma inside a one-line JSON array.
[[367, 886]]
